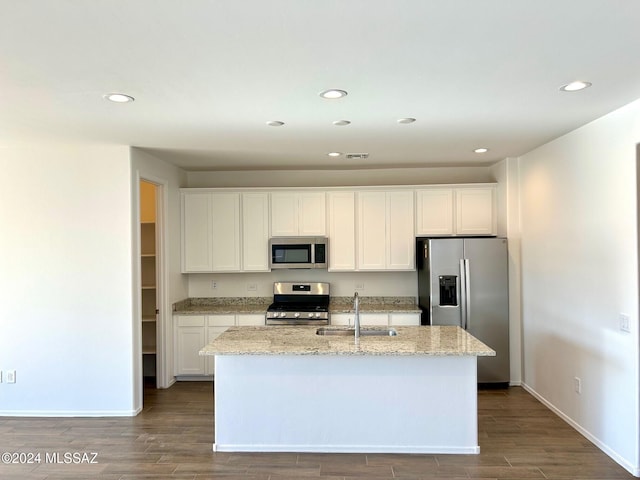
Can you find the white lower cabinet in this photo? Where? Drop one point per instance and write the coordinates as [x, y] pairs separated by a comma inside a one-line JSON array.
[[250, 320], [189, 339], [377, 319], [404, 319], [192, 332]]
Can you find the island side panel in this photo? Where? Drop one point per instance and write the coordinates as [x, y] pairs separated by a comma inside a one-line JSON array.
[[308, 403]]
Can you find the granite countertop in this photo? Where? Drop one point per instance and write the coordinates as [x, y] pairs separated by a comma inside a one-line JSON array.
[[302, 340], [222, 305], [249, 305], [375, 305]]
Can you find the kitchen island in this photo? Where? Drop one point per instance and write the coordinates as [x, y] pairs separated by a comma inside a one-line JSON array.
[[287, 389]]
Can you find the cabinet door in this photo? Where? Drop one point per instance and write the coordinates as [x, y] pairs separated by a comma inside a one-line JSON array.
[[371, 231], [190, 338], [212, 333], [374, 319], [251, 319], [404, 319], [284, 214], [401, 244], [342, 319], [312, 218], [196, 232], [225, 240], [434, 212], [342, 231], [255, 232], [475, 211]]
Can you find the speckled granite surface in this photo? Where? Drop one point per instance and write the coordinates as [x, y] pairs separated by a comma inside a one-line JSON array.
[[240, 305], [230, 305], [222, 305], [375, 305], [302, 340]]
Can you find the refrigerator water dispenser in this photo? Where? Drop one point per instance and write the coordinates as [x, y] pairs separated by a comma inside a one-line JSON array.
[[448, 291]]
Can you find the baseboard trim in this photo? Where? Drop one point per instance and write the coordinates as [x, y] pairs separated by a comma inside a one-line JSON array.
[[632, 469], [347, 449], [68, 413]]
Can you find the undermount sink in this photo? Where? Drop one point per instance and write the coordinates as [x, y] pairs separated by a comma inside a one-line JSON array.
[[364, 332]]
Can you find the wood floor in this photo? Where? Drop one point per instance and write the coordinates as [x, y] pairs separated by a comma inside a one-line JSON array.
[[171, 439]]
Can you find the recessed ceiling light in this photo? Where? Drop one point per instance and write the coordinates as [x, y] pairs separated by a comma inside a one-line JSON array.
[[341, 123], [119, 97], [481, 150], [334, 154], [333, 93], [275, 123], [406, 120], [575, 86]]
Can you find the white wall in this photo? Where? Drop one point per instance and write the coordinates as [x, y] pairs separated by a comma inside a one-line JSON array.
[[579, 272], [325, 178], [171, 179], [65, 280], [506, 174], [401, 284]]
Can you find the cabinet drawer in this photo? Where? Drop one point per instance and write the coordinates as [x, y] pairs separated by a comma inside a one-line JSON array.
[[342, 319], [222, 320], [374, 319], [251, 319], [406, 319], [191, 321]]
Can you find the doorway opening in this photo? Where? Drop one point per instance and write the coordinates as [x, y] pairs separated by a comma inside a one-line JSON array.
[[149, 282]]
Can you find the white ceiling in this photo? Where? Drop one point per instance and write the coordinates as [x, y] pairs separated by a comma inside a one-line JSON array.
[[208, 74]]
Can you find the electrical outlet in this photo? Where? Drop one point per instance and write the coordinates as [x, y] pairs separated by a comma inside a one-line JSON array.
[[214, 284], [359, 286], [577, 385], [11, 376], [624, 323], [252, 287]]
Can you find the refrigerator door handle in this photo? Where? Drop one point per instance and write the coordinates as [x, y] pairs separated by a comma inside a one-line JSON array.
[[463, 294], [467, 295]]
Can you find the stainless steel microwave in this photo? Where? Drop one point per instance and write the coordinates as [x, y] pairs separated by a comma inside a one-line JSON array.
[[298, 252]]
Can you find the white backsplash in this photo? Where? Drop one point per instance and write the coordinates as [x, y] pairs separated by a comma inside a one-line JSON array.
[[342, 284]]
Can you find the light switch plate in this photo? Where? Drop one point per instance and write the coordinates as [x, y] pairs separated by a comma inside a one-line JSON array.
[[624, 323]]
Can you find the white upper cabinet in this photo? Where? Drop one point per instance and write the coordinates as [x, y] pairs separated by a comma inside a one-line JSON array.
[[196, 232], [225, 232], [372, 224], [475, 211], [225, 240], [401, 243], [298, 214], [456, 211], [385, 231], [434, 212], [255, 232], [342, 231]]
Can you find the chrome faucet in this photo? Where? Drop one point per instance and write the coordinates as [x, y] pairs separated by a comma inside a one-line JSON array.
[[356, 319]]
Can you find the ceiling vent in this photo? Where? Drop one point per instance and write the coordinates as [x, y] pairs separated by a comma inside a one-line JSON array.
[[357, 156]]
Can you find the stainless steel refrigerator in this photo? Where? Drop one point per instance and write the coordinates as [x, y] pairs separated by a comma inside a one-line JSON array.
[[464, 282]]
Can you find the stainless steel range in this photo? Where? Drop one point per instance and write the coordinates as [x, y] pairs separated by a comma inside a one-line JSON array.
[[299, 304]]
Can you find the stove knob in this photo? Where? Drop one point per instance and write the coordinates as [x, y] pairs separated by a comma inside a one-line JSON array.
[[310, 315], [283, 314], [317, 314], [296, 315]]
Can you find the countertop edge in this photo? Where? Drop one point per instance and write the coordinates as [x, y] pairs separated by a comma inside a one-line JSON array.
[[303, 341]]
